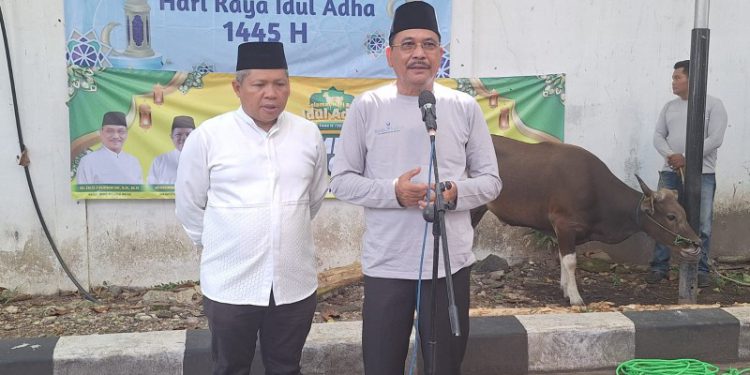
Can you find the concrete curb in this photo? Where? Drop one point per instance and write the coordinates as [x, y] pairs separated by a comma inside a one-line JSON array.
[[522, 344]]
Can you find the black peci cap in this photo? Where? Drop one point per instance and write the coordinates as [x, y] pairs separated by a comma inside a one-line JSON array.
[[114, 118], [414, 15], [183, 122], [261, 55]]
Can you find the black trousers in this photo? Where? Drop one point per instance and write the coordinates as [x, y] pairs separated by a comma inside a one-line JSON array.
[[234, 330], [388, 318]]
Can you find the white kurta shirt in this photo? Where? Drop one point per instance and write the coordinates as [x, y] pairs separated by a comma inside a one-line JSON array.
[[248, 196], [164, 168], [106, 167]]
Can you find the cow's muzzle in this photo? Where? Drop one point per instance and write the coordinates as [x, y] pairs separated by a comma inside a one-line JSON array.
[[690, 252]]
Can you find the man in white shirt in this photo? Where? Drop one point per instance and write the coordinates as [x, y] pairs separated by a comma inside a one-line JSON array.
[[248, 184], [164, 167], [669, 141], [382, 163], [109, 164]]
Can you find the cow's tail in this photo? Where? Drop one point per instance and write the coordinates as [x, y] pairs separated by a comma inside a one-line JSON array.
[[476, 215]]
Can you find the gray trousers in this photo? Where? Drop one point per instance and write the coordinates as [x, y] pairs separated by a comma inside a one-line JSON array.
[[388, 318], [234, 330]]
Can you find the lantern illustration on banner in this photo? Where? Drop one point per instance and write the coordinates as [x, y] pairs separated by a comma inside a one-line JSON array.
[[138, 52], [504, 119], [158, 93], [144, 116], [493, 98]]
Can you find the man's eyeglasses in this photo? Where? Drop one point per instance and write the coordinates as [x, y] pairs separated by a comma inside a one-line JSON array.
[[409, 46]]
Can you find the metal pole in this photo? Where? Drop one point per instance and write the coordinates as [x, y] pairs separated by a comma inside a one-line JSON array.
[[702, 8], [698, 77]]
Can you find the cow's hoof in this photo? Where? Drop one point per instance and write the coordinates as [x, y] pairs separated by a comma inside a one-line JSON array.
[[576, 301]]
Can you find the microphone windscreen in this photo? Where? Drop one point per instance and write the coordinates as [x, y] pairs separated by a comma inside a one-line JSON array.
[[426, 97]]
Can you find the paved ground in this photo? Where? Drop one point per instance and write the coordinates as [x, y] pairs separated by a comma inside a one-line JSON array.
[[509, 345]]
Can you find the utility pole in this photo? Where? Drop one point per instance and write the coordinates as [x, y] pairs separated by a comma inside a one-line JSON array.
[[696, 119]]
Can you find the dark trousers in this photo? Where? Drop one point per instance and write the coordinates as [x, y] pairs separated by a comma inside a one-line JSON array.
[[388, 318], [234, 330]]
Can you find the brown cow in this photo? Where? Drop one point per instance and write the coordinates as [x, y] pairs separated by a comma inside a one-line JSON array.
[[566, 190]]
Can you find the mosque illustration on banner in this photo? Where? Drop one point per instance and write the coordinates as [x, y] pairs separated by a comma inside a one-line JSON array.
[[89, 51]]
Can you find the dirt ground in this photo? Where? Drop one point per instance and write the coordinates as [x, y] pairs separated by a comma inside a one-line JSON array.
[[527, 288]]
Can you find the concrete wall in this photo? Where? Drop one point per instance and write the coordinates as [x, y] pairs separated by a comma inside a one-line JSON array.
[[617, 56]]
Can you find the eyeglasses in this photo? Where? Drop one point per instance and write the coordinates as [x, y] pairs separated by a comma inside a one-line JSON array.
[[409, 46]]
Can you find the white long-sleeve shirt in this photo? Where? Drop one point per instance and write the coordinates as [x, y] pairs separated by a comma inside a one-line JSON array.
[[248, 196], [106, 167], [164, 168], [383, 136], [671, 128]]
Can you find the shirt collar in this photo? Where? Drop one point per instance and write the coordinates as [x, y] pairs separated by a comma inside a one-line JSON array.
[[115, 154], [251, 123]]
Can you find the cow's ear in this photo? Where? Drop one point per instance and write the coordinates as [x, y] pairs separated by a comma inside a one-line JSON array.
[[647, 205], [644, 187]]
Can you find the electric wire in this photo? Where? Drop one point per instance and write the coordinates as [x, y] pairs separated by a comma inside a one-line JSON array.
[[417, 342], [23, 160]]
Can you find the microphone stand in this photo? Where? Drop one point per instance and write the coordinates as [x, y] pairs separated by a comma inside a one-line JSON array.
[[436, 215]]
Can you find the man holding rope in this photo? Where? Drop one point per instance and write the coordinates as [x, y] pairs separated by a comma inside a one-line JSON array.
[[669, 140]]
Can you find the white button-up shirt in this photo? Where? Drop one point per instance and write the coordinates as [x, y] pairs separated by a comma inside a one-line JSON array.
[[164, 168], [104, 166], [248, 196]]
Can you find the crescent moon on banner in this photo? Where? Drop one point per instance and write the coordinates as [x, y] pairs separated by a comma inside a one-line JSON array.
[[105, 35]]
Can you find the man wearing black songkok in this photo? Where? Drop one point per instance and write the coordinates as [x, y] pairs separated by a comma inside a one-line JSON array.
[[248, 184], [382, 164], [163, 169], [110, 164]]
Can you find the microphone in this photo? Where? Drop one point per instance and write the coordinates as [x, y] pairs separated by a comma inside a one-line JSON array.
[[427, 105]]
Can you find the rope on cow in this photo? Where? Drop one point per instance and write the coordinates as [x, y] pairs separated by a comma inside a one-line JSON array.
[[672, 367], [712, 263]]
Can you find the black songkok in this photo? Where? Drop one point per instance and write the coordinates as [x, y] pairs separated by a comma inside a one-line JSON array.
[[183, 122], [261, 55], [414, 15], [114, 118]]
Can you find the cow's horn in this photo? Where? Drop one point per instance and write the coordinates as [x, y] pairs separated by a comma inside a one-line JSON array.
[[644, 187]]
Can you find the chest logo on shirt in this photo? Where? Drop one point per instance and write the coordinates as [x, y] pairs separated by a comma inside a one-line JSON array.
[[387, 128]]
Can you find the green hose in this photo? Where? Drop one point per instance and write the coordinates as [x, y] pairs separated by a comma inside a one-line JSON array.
[[672, 367]]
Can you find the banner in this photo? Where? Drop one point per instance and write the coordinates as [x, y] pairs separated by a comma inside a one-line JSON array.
[[322, 38], [168, 64], [526, 108]]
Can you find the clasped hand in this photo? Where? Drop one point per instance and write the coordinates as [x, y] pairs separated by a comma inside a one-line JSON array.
[[676, 161], [410, 194]]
